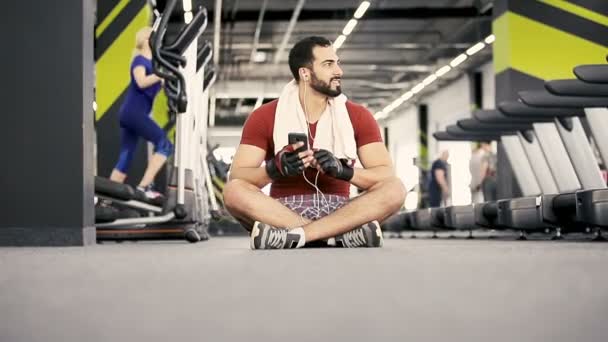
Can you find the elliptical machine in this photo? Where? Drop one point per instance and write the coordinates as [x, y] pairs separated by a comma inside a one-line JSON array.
[[182, 214]]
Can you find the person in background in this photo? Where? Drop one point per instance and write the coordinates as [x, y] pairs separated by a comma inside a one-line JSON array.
[[488, 184], [135, 121], [439, 189], [478, 166]]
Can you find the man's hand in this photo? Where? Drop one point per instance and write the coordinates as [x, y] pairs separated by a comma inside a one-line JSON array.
[[327, 163], [289, 162]]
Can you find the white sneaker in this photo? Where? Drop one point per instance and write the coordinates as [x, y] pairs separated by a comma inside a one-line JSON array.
[[367, 235], [264, 236]]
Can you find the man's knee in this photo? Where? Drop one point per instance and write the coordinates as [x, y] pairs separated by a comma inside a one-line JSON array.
[[234, 194], [395, 192]]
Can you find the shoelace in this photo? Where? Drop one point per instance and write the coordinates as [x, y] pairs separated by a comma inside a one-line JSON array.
[[276, 237], [355, 238]]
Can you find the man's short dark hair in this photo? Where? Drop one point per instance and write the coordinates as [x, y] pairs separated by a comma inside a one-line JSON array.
[[301, 53]]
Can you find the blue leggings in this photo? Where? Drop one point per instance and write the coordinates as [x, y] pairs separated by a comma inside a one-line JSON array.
[[131, 128]]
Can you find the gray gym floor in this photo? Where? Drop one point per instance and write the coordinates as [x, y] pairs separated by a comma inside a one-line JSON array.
[[219, 290]]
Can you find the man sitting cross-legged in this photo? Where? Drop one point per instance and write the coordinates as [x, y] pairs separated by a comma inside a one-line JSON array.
[[309, 196]]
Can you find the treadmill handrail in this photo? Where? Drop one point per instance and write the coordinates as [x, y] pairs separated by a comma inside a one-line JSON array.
[[159, 31], [209, 79], [542, 98], [190, 32], [576, 88], [455, 130], [445, 136], [497, 117], [471, 124], [177, 59], [592, 73], [204, 55], [519, 109]]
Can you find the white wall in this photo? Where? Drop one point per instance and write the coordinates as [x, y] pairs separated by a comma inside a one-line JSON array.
[[489, 92], [445, 107], [403, 146]]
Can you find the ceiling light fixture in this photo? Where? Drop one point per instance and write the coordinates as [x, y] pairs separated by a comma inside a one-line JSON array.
[[361, 10], [475, 48], [433, 77], [349, 27], [339, 41]]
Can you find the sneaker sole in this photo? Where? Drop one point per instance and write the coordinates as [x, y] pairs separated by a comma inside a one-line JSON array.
[[379, 234], [254, 233]]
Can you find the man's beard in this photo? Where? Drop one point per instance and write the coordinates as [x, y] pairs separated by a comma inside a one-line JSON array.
[[324, 87]]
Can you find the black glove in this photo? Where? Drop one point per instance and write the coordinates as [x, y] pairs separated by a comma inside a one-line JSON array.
[[285, 163], [337, 168]]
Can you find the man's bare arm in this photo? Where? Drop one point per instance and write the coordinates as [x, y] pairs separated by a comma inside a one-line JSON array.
[[440, 177], [377, 166], [246, 165]]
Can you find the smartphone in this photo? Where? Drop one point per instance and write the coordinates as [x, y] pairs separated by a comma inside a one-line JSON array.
[[293, 138]]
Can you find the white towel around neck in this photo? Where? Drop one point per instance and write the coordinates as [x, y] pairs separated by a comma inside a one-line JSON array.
[[334, 131]]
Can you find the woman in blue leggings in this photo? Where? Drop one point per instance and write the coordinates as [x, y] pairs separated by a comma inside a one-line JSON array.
[[135, 121]]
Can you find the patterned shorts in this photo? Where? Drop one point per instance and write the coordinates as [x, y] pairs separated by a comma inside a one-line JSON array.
[[313, 207]]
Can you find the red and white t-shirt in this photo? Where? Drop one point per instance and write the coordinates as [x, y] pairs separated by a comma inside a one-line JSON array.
[[258, 131]]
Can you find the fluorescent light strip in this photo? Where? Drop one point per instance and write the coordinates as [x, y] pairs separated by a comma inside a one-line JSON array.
[[339, 41], [398, 102], [389, 108], [443, 70], [187, 17], [418, 88], [349, 27], [433, 77], [407, 96], [475, 48], [361, 10], [458, 60], [429, 80], [187, 5]]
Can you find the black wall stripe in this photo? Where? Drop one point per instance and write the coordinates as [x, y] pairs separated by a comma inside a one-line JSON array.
[[500, 7], [347, 13], [562, 20], [104, 7], [598, 6], [117, 26]]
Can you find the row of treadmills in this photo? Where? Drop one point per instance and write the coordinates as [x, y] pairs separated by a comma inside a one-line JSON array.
[[554, 139]]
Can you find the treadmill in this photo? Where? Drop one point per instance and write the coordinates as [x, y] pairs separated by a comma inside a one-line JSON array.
[[587, 204], [490, 214]]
